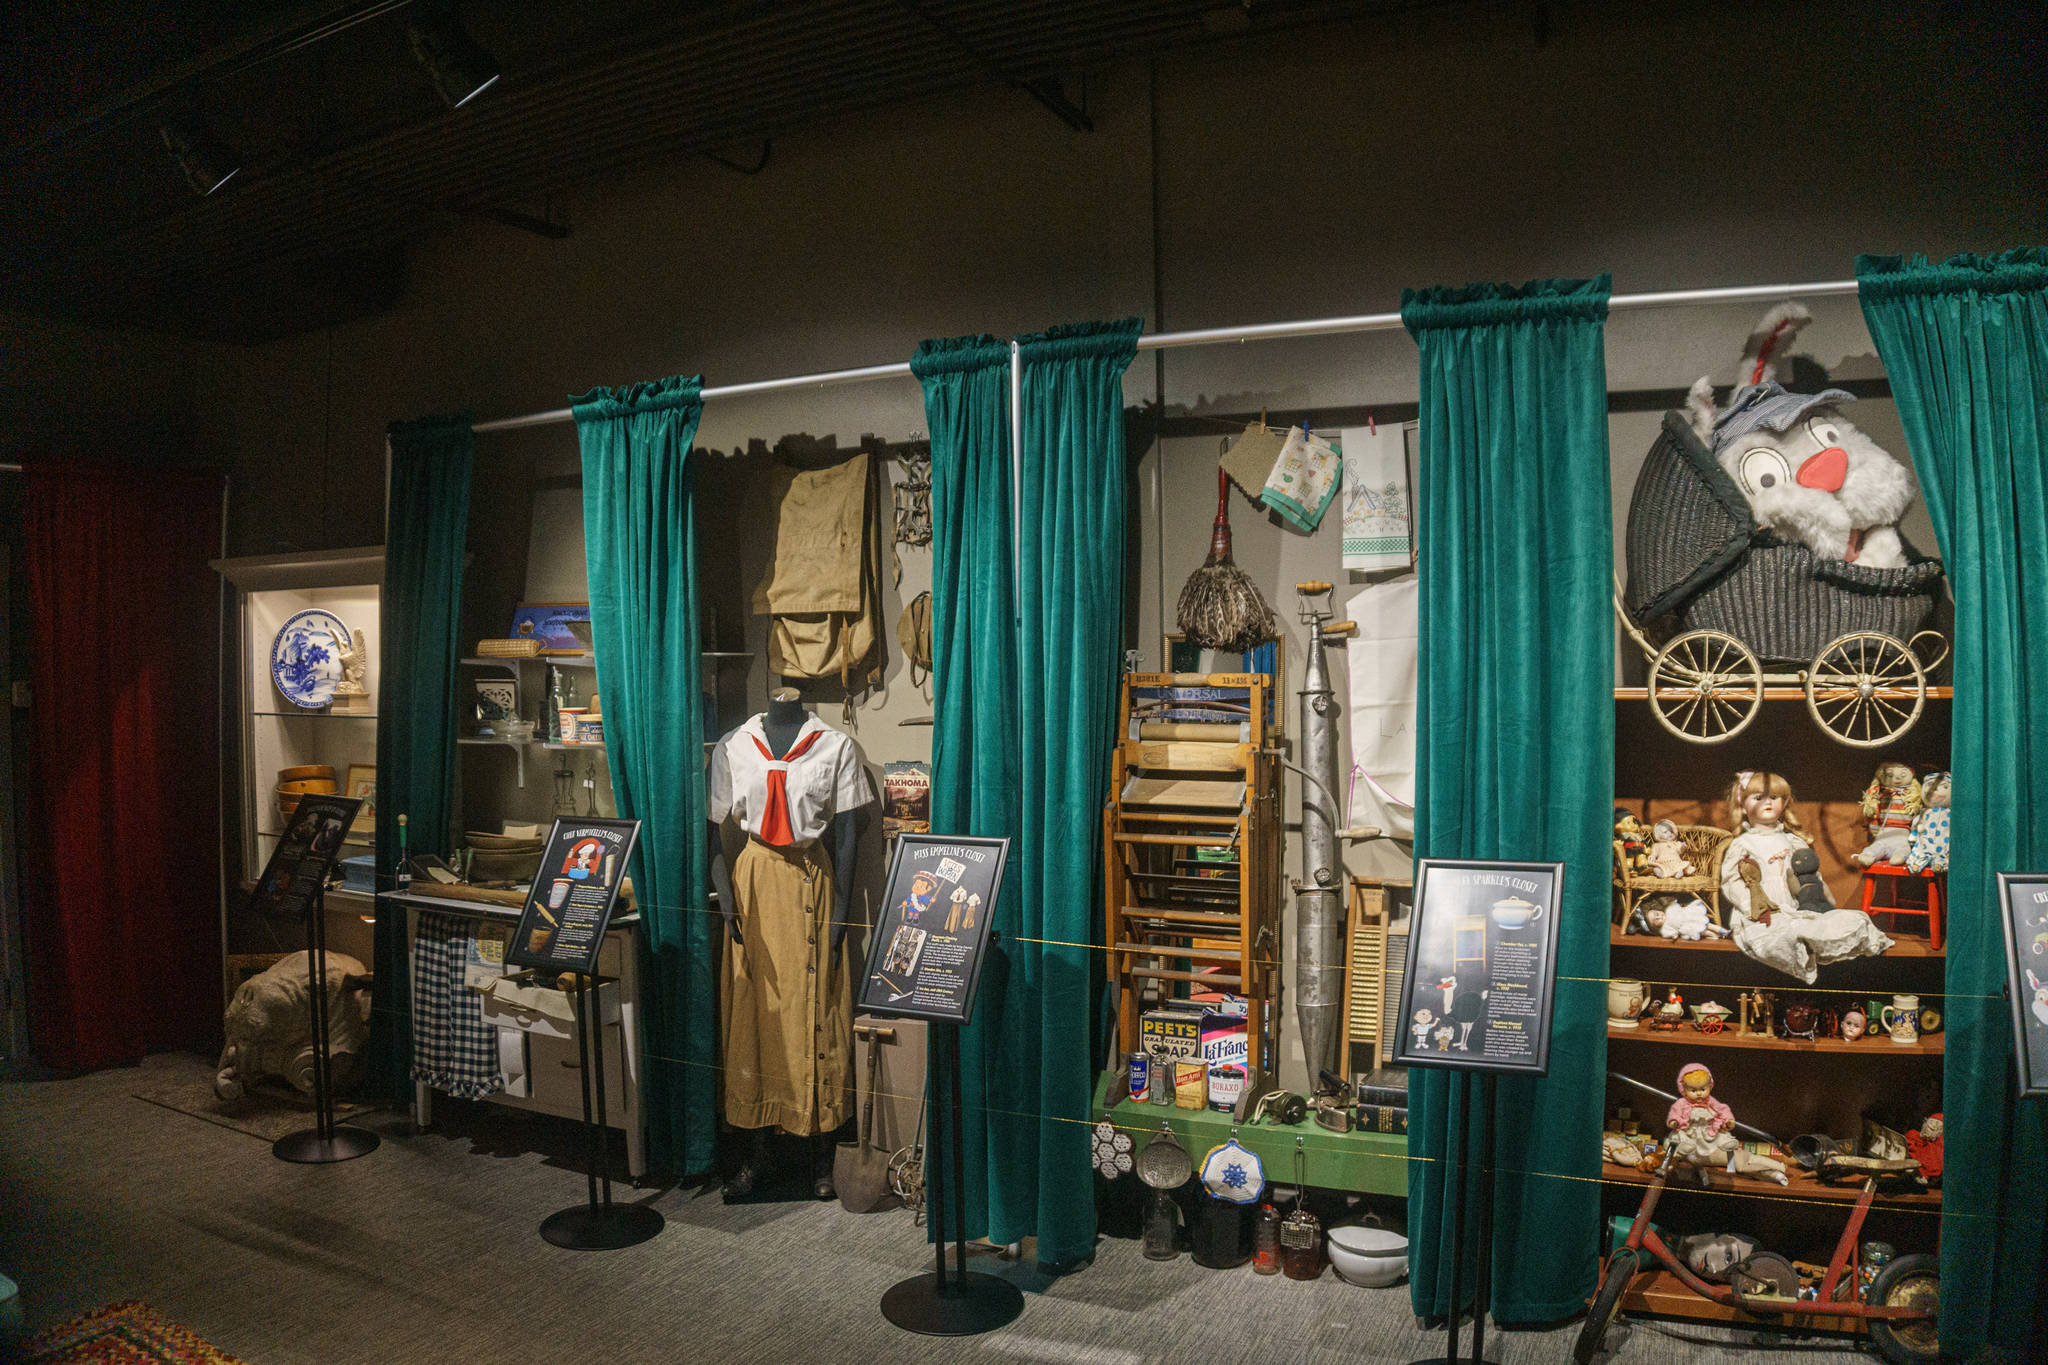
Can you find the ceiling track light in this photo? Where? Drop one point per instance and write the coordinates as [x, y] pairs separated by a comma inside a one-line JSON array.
[[457, 64], [205, 159]]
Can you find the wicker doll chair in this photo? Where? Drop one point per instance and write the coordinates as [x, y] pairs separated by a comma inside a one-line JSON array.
[[1703, 847]]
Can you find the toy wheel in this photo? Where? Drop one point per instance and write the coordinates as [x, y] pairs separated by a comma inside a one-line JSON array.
[[1621, 1269], [1769, 1277], [1909, 1282], [1866, 689], [1712, 1025], [1706, 686]]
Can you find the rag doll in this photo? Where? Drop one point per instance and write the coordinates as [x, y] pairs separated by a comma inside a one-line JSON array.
[[1890, 803], [1688, 919], [1702, 1130], [1927, 846], [1813, 892], [1758, 883], [1667, 854], [1807, 474]]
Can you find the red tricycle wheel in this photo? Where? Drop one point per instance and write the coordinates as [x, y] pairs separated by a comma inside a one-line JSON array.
[[1621, 1269]]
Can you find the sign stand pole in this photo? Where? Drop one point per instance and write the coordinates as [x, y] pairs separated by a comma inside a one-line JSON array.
[[967, 1302], [597, 1224], [1482, 1289], [326, 1140]]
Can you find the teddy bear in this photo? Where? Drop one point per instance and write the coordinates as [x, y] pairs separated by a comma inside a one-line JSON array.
[[1633, 838], [1807, 474], [1927, 844], [1667, 854]]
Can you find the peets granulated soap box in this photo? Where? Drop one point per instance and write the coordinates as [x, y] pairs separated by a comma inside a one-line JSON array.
[[1177, 1033]]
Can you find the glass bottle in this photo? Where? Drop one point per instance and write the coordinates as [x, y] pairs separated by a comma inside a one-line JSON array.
[[1301, 1245], [554, 717], [1162, 1219], [1266, 1241]]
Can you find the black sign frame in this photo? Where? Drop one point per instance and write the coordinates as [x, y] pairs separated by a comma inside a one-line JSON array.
[[565, 862], [1438, 896], [889, 989], [296, 874], [2025, 923]]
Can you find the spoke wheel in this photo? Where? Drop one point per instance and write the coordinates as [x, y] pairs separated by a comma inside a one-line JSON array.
[[1621, 1269], [1909, 1282], [1866, 689], [1706, 686]]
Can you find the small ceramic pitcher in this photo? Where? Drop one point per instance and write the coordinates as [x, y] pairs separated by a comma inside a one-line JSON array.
[[1625, 999], [1901, 1019]]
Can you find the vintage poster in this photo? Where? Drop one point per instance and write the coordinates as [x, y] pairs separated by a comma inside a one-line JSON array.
[[562, 925], [305, 854], [925, 955], [2024, 899], [1482, 961]]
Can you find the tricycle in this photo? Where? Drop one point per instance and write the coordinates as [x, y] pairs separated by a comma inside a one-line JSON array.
[[1901, 1308]]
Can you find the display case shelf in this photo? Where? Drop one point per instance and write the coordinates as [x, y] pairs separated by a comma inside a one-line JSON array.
[[1903, 945], [1928, 1045], [1801, 1185], [1659, 1293]]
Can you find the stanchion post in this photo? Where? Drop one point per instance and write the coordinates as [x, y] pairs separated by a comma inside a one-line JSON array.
[[326, 1141]]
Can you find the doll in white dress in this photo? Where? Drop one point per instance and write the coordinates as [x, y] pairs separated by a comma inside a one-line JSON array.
[[1762, 895]]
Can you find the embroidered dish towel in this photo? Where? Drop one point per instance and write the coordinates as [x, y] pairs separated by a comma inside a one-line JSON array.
[[1378, 533], [1381, 659], [1304, 479]]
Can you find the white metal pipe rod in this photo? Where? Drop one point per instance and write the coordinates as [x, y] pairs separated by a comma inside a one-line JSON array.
[[1212, 336]]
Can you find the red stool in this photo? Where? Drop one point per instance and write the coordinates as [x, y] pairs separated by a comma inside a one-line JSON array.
[[1894, 877]]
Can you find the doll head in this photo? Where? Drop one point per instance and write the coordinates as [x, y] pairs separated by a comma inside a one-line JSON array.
[[1934, 791], [1664, 831], [1760, 800], [1653, 916], [1890, 780], [1695, 1082]]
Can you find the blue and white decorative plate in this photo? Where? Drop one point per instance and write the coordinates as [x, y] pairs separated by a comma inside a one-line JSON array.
[[304, 660]]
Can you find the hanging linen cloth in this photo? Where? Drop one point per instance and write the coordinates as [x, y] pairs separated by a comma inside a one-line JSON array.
[[453, 1049], [822, 588], [788, 1033], [1378, 531], [1381, 659]]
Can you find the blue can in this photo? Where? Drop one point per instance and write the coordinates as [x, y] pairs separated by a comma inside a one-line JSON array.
[[1141, 1072]]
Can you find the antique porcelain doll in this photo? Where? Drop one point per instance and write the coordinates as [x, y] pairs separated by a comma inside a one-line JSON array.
[[1667, 854], [1889, 804], [1702, 1129], [1796, 940]]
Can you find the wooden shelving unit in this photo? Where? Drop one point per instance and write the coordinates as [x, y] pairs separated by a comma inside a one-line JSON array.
[[1929, 1045], [1802, 1186], [1903, 946], [1797, 693]]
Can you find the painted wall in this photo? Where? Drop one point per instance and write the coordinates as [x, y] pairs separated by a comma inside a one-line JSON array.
[[1314, 174]]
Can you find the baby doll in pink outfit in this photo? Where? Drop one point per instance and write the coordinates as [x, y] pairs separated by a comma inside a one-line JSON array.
[[1702, 1129]]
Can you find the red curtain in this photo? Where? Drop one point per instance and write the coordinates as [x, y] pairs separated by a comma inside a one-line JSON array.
[[121, 868]]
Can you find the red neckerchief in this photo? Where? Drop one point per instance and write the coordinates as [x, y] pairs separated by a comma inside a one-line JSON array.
[[775, 828]]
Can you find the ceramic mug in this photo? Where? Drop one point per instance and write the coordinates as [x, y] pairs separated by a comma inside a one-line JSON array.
[[1625, 998], [1901, 1019], [1516, 913]]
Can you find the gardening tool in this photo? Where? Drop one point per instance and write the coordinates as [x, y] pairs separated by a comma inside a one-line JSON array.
[[906, 1168], [860, 1170], [1220, 607]]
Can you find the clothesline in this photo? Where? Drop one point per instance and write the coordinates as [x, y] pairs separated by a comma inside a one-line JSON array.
[[1213, 336]]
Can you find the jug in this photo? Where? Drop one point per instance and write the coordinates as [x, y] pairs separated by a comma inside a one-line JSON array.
[[1625, 998], [1901, 1019]]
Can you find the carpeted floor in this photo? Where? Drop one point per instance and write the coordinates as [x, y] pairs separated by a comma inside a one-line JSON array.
[[426, 1251]]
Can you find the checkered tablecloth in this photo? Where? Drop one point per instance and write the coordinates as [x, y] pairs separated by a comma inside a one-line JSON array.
[[453, 1049]]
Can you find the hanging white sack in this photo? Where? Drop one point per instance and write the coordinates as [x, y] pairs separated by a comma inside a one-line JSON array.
[[1378, 532], [1381, 660]]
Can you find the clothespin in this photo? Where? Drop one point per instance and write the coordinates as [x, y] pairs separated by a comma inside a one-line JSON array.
[[1372, 427]]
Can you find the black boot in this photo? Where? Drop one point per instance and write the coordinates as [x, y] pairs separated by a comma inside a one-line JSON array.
[[823, 1149], [741, 1182]]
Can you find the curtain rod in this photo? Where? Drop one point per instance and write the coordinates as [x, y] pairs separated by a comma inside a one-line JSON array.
[[1211, 336]]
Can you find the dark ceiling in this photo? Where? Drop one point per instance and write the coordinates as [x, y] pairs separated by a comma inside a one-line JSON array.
[[347, 153]]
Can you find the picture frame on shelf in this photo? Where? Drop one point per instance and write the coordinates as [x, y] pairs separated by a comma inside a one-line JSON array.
[[2023, 915], [361, 783]]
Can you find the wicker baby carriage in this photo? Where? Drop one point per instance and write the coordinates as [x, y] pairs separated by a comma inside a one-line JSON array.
[[1725, 595]]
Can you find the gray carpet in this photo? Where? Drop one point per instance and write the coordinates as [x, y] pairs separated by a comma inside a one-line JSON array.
[[426, 1251]]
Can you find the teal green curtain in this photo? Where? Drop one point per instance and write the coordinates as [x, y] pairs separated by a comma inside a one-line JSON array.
[[975, 758], [640, 548], [1966, 346], [1516, 729], [426, 525], [1025, 751]]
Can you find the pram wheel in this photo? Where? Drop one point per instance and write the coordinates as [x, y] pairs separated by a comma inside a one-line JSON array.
[[1706, 686], [1866, 689]]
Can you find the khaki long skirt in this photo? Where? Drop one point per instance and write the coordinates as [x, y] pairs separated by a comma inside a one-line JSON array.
[[788, 998]]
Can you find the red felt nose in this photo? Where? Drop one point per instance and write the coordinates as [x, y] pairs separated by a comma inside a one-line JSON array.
[[1825, 470]]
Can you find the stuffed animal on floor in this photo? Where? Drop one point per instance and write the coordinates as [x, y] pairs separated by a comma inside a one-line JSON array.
[[1667, 853], [1927, 845], [269, 1025], [1807, 474]]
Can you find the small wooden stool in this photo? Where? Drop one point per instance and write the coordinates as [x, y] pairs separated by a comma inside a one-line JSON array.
[[1894, 876]]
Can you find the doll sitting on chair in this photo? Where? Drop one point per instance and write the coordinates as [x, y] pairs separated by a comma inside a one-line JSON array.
[[1703, 1130], [1667, 853]]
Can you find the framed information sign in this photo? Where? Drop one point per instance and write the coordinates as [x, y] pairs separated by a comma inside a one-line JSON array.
[[1482, 962], [925, 955], [304, 856], [569, 906], [2023, 907]]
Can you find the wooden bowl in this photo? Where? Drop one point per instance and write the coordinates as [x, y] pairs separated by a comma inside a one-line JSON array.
[[300, 774], [503, 843], [503, 865], [300, 786]]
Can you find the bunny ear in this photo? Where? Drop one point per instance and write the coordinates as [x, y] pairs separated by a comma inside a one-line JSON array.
[[1767, 342], [1700, 413]]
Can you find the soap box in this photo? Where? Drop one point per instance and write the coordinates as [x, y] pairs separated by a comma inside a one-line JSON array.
[[1176, 1033], [1224, 1041]]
